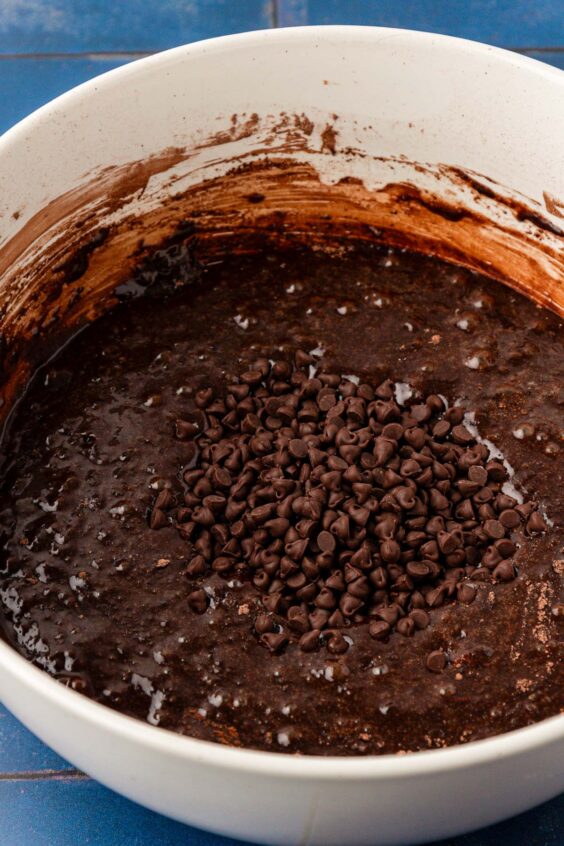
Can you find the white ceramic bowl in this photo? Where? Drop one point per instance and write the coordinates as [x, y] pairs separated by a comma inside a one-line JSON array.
[[411, 108]]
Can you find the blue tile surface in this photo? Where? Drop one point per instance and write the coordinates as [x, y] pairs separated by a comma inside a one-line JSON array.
[[34, 26], [509, 23], [71, 810], [43, 800], [22, 752]]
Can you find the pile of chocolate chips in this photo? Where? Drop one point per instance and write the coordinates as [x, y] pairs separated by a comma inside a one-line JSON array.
[[342, 506]]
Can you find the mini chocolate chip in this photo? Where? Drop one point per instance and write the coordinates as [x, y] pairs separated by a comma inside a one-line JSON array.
[[224, 564], [203, 397], [410, 467], [509, 518], [389, 614], [417, 570], [349, 604], [482, 496], [351, 573], [390, 551], [536, 524], [362, 558], [326, 541], [360, 588], [298, 619], [379, 578], [486, 512], [505, 547], [185, 429], [455, 414], [158, 519], [198, 601], [264, 623], [392, 431], [319, 618], [466, 593], [438, 501], [326, 600], [464, 510], [467, 487], [420, 618], [436, 661], [336, 463], [494, 529], [316, 456], [504, 572], [503, 501], [336, 581], [441, 429], [337, 644], [491, 557], [341, 527], [436, 596], [383, 450], [302, 358], [296, 549], [203, 516], [421, 412], [298, 448], [274, 641], [478, 474], [461, 435], [379, 630], [496, 471], [165, 500], [337, 620], [525, 509], [448, 542], [435, 403], [216, 503], [277, 527], [196, 567], [272, 602], [417, 600], [404, 497], [251, 377], [405, 626], [332, 480], [415, 437], [326, 399], [310, 641]]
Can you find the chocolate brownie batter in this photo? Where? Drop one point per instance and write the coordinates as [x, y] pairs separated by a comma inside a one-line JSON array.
[[332, 641]]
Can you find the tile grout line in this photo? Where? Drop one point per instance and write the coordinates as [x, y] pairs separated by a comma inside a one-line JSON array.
[[45, 775], [139, 54], [545, 49], [87, 54]]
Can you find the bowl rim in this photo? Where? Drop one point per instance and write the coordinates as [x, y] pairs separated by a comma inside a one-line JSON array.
[[182, 747]]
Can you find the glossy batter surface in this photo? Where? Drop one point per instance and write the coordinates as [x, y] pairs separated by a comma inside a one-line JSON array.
[[84, 586]]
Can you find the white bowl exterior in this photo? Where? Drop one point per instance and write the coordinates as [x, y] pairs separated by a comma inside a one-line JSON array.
[[432, 99]]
